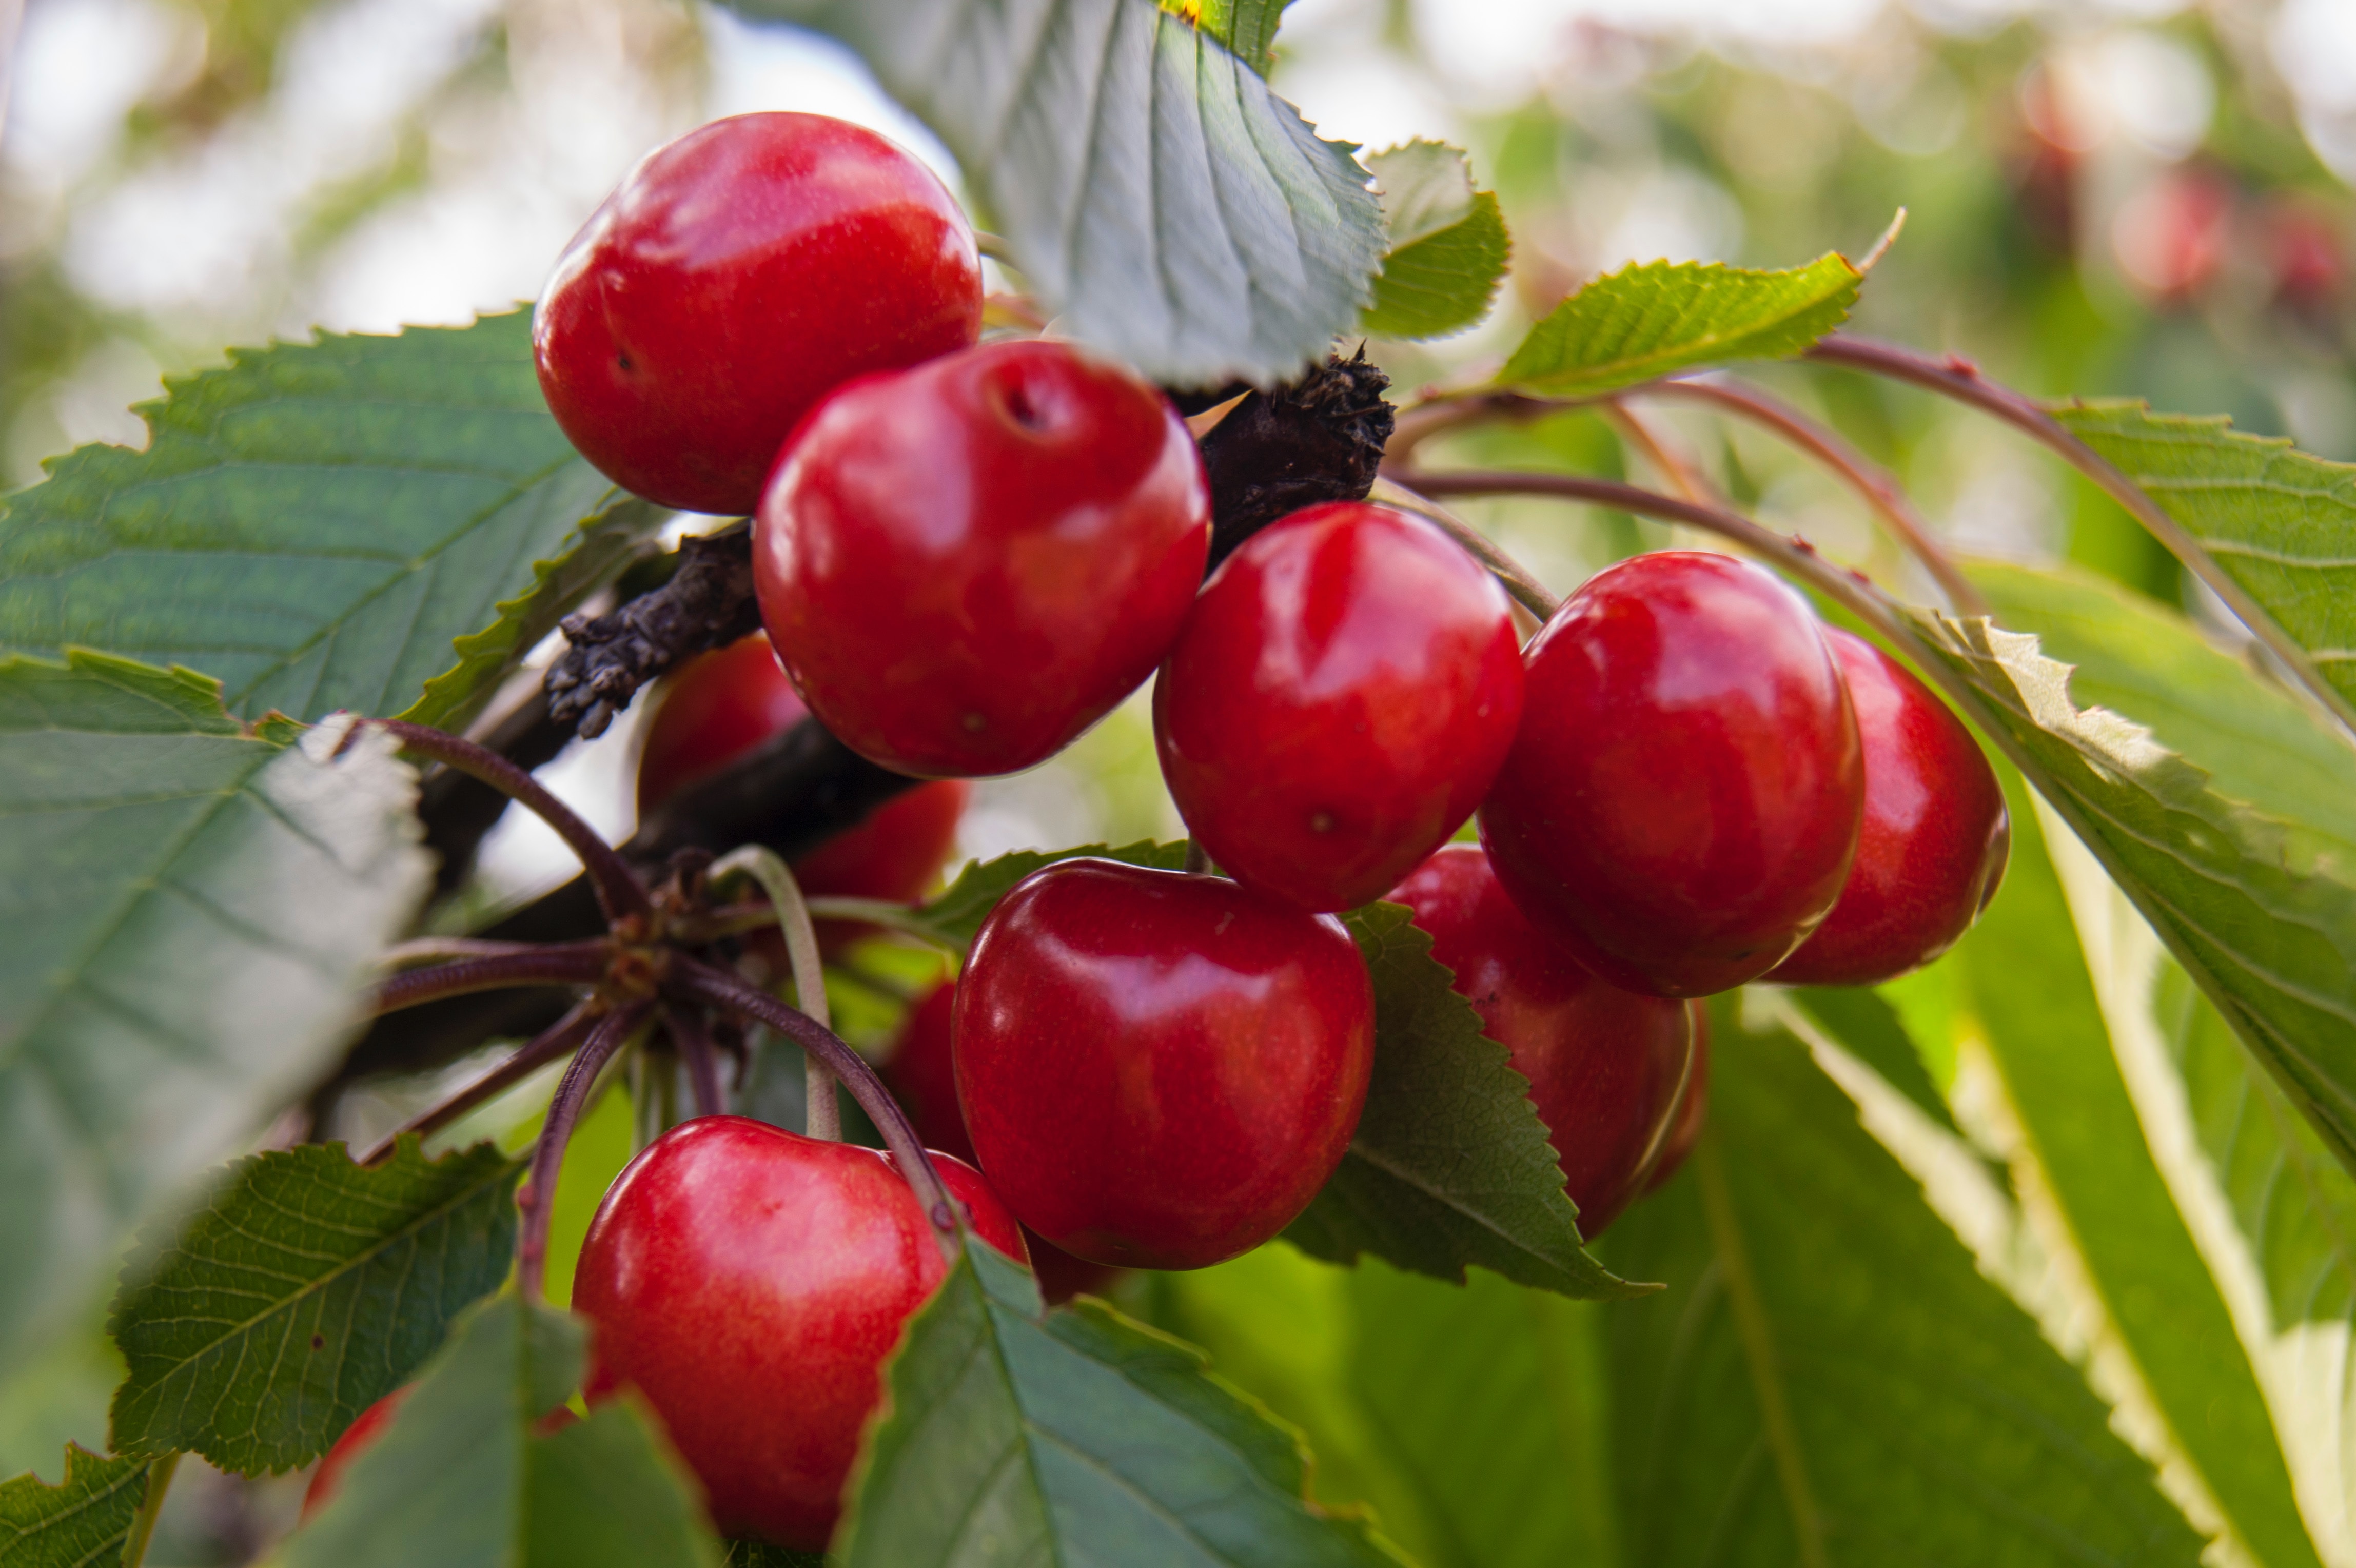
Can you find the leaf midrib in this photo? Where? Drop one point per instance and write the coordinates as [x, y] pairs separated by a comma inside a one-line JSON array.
[[279, 1305]]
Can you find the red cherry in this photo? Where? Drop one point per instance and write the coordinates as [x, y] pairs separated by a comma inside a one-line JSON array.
[[1605, 1066], [1160, 1070], [1681, 804], [1693, 1109], [750, 1283], [1340, 699], [360, 1437], [966, 564], [923, 1076], [735, 277], [1933, 845], [724, 704]]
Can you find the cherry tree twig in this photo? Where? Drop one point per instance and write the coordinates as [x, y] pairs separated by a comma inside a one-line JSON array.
[[620, 894], [551, 1044], [565, 964], [610, 1033], [444, 949], [693, 981]]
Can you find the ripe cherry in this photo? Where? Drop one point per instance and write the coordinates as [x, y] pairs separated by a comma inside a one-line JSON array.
[[1681, 802], [1338, 701], [1933, 845], [923, 1076], [724, 704], [966, 564], [360, 1437], [1159, 1069], [735, 277], [750, 1282], [1606, 1067], [1693, 1109]]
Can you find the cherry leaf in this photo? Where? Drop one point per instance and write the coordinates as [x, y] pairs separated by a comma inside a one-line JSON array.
[[306, 1290], [1448, 244], [1450, 1165], [82, 1520]]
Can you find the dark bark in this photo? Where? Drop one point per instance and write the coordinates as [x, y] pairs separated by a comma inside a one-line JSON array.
[[1319, 439], [708, 603]]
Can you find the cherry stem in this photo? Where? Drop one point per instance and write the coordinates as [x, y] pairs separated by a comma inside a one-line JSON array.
[[1960, 378], [551, 1043], [610, 1033], [698, 982], [444, 949], [688, 1032], [822, 1113], [1875, 485], [555, 963], [1517, 579], [620, 894], [150, 1508]]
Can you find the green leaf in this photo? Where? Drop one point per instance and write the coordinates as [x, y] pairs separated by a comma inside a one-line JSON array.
[[1493, 1398], [1450, 1165], [2045, 1026], [1653, 318], [1870, 1029], [1162, 203], [2258, 742], [2271, 521], [1830, 1380], [1075, 1436], [189, 913], [460, 1479], [318, 523], [2243, 900], [307, 1289], [955, 917], [1247, 26], [80, 1523], [1448, 244]]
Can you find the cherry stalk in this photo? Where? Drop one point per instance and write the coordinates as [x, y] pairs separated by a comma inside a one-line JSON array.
[[610, 1033]]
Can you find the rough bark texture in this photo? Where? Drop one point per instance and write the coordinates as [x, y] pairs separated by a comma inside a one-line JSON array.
[[707, 604], [1319, 439]]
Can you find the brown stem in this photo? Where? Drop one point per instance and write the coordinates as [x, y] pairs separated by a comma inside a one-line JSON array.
[[538, 1199], [566, 963], [445, 950], [1519, 580], [551, 1043], [1960, 378], [698, 982], [687, 1031], [1451, 410], [1875, 485], [620, 894]]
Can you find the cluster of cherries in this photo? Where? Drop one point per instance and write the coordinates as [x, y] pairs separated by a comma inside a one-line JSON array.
[[967, 554]]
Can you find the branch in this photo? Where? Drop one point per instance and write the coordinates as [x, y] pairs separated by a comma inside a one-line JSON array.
[[1319, 439], [708, 603], [1959, 379], [715, 988], [620, 894]]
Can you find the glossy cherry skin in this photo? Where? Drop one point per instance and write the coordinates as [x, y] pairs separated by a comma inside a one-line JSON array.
[[724, 704], [750, 1283], [736, 276], [1606, 1065], [966, 564], [1681, 802], [1693, 1109], [1159, 1071], [1338, 701], [361, 1435], [923, 1076], [1933, 847]]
